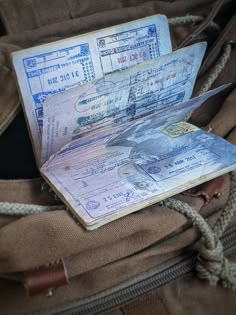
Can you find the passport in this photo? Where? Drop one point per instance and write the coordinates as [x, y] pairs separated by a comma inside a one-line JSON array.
[[107, 112]]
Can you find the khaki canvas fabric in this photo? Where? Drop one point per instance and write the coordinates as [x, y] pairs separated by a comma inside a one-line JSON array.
[[98, 279], [93, 266], [187, 295], [33, 14], [9, 100], [122, 249], [65, 237], [26, 191]]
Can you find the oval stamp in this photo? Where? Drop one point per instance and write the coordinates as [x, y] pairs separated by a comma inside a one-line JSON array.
[[92, 205]]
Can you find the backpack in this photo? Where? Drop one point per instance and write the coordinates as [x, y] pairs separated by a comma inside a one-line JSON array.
[[174, 257]]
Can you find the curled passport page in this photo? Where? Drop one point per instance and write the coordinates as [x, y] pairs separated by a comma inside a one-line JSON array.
[[120, 97], [118, 170], [55, 67]]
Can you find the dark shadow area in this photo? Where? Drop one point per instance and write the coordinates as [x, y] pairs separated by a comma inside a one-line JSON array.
[[17, 158]]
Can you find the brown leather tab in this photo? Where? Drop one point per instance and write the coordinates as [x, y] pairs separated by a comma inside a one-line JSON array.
[[206, 190], [45, 279], [204, 24]]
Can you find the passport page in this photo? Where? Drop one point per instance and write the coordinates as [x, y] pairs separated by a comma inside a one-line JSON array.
[[120, 97], [55, 67]]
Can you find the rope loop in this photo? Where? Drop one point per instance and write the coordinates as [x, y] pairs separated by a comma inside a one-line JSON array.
[[218, 67], [213, 266], [210, 262], [20, 209]]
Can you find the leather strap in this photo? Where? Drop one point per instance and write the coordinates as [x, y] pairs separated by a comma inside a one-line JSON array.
[[208, 190], [203, 25], [45, 279]]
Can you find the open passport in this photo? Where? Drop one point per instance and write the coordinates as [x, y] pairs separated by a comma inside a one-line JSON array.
[[107, 114]]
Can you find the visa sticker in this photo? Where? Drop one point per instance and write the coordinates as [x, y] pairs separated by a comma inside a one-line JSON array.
[[180, 129]]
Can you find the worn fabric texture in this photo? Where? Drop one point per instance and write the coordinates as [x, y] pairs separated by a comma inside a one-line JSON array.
[[189, 294], [185, 295], [33, 14], [26, 191], [9, 99], [65, 237], [122, 249], [102, 277]]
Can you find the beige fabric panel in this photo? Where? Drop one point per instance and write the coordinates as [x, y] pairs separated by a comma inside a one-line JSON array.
[[98, 279], [60, 236], [28, 191], [19, 16], [9, 99], [190, 295]]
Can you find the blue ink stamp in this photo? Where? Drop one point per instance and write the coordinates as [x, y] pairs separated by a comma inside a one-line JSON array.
[[92, 205], [123, 49], [153, 169], [57, 71]]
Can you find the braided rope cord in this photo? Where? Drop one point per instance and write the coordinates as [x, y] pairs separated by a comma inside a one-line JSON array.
[[214, 73], [211, 264], [229, 209], [21, 209], [192, 19]]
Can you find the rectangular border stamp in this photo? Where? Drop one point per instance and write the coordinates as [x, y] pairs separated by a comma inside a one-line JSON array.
[[60, 63]]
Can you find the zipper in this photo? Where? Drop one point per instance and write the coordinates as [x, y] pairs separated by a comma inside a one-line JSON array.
[[136, 287]]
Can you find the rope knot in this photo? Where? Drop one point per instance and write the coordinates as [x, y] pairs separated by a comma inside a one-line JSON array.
[[213, 266]]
